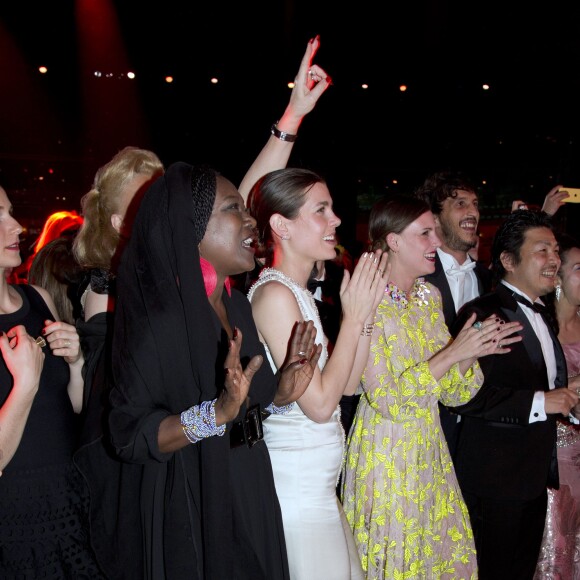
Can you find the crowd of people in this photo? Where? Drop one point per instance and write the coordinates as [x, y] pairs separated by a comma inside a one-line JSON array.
[[195, 384]]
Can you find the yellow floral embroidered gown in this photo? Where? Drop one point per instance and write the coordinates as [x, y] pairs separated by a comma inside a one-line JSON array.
[[400, 492]]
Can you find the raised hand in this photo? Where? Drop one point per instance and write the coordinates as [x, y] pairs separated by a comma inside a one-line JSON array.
[[298, 368], [310, 82], [237, 381], [554, 200]]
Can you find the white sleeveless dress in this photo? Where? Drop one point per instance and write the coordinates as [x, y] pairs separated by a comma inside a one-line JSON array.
[[306, 459]]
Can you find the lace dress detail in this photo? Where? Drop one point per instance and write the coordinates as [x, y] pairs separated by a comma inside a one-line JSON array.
[[400, 493], [306, 460]]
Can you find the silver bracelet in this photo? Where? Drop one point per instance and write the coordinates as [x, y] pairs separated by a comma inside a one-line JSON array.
[[283, 410], [282, 135], [198, 422], [367, 330]]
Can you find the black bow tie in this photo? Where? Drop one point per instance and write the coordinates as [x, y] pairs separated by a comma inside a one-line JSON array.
[[313, 284], [535, 306]]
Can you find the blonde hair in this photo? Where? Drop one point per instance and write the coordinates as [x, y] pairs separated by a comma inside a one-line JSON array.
[[97, 240]]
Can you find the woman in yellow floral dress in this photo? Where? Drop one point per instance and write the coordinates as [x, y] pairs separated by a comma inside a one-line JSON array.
[[400, 493]]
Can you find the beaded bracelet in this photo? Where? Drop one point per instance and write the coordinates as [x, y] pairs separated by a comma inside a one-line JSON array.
[[282, 135], [367, 330], [198, 422], [283, 410]]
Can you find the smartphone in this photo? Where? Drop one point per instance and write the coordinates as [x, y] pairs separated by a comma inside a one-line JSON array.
[[573, 194]]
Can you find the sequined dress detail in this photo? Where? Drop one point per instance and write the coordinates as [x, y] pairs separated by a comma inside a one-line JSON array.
[[560, 552], [306, 459], [400, 492]]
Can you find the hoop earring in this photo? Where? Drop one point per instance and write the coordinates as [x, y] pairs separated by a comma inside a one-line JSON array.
[[558, 292]]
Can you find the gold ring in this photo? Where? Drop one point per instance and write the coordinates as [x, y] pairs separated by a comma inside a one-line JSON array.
[[40, 342], [66, 343]]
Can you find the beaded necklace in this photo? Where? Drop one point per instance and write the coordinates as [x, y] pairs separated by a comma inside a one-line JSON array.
[[399, 297]]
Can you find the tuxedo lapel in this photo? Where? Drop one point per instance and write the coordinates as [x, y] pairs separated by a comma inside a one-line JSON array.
[[439, 279], [531, 343]]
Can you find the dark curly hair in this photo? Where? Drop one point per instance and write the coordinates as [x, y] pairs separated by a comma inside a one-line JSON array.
[[441, 185]]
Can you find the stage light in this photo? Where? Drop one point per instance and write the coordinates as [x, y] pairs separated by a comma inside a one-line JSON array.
[[42, 70]]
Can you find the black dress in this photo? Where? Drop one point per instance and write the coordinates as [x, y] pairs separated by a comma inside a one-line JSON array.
[[43, 500], [208, 511]]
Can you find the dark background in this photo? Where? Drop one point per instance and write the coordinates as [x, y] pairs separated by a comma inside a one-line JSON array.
[[516, 140]]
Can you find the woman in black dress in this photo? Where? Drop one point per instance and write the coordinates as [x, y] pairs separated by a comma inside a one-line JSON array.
[[206, 496], [43, 499]]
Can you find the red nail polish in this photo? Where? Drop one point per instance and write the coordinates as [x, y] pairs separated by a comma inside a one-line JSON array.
[[235, 332], [303, 361]]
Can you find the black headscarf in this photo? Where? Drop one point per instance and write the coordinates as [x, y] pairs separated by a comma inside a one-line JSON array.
[[164, 344]]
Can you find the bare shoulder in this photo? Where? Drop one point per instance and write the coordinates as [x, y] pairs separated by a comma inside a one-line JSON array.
[[275, 300]]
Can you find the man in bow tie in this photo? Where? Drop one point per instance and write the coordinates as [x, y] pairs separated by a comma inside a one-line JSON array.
[[506, 452], [454, 203]]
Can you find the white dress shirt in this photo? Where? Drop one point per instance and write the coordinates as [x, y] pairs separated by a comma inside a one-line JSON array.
[[461, 278]]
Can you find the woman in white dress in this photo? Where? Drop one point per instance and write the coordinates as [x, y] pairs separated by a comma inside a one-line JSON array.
[[297, 227]]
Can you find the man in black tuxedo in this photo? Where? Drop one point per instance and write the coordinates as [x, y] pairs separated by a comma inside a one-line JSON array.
[[506, 452], [454, 203]]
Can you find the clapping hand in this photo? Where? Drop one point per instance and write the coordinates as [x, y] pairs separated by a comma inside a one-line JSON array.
[[237, 381], [491, 336], [361, 293], [298, 368]]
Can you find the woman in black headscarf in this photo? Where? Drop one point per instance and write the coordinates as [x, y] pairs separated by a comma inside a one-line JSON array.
[[207, 502]]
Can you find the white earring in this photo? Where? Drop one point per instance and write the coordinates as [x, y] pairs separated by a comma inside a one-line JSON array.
[[558, 292]]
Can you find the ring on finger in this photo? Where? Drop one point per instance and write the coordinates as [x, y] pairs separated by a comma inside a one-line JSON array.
[[301, 353], [478, 325], [40, 342], [310, 73], [66, 343]]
